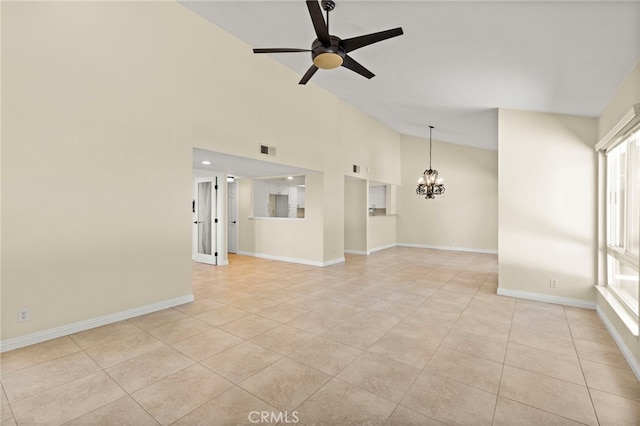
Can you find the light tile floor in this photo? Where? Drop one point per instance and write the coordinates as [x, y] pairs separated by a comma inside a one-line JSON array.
[[401, 337]]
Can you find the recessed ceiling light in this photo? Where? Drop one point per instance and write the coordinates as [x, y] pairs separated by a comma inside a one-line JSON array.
[[289, 177], [205, 162]]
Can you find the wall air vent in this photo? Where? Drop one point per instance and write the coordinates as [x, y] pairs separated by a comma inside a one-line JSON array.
[[267, 150]]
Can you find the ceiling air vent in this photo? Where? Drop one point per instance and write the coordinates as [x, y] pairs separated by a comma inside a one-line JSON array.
[[267, 150]]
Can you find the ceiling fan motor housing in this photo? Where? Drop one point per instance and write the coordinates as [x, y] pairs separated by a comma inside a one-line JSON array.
[[327, 57]]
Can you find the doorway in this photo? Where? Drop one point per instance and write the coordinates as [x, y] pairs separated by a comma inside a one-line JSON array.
[[208, 199], [355, 215]]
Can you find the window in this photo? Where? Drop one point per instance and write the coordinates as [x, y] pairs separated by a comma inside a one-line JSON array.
[[623, 220], [281, 197], [377, 199]]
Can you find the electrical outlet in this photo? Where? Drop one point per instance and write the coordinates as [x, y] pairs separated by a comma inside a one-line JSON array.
[[23, 315], [553, 283]]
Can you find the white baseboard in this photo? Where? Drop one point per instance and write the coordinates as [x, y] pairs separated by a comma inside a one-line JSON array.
[[360, 252], [463, 249], [626, 352], [292, 259], [369, 251], [334, 261], [538, 297], [380, 248], [76, 327]]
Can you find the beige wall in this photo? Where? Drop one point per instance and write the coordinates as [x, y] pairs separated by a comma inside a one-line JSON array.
[[355, 215], [466, 215], [96, 189], [376, 149], [102, 105], [333, 216], [381, 232], [547, 204]]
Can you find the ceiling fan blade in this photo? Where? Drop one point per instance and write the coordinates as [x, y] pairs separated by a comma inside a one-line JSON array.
[[353, 65], [318, 21], [279, 50], [310, 72], [351, 44]]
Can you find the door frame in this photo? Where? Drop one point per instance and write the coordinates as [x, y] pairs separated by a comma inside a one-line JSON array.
[[218, 217], [229, 206]]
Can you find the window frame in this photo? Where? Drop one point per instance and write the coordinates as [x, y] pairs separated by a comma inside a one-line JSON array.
[[617, 246]]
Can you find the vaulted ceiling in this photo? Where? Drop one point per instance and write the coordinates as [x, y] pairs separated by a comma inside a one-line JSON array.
[[457, 61]]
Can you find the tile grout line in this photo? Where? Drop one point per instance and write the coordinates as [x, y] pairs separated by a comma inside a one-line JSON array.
[[543, 375], [8, 405], [114, 381], [348, 364], [434, 352], [586, 383], [504, 361]]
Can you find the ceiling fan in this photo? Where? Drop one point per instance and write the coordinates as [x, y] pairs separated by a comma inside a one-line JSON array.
[[329, 51]]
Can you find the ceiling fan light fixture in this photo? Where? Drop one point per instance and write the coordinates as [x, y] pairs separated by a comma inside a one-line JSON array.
[[328, 61]]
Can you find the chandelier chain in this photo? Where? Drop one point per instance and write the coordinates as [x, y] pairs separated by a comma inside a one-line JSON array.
[[430, 129], [430, 184]]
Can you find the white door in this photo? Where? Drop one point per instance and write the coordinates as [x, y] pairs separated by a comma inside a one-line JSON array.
[[206, 230], [233, 218]]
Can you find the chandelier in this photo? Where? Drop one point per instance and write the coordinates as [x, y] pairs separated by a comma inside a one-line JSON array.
[[429, 183]]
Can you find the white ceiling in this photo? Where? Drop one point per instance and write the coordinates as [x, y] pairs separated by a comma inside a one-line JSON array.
[[457, 61]]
